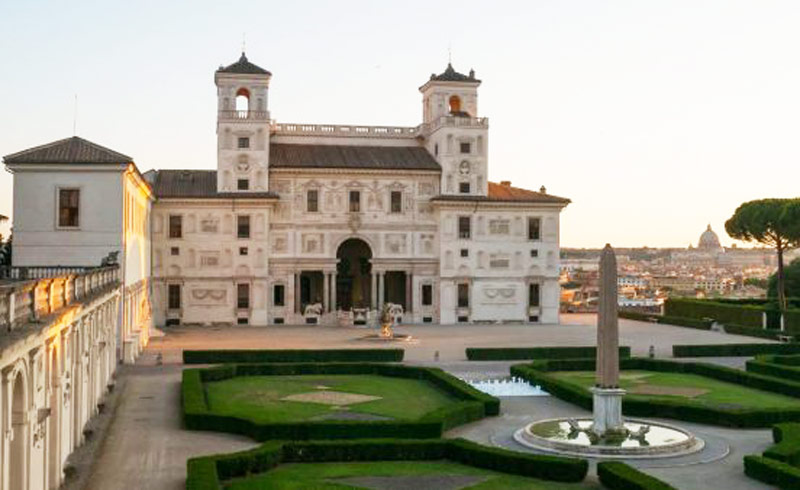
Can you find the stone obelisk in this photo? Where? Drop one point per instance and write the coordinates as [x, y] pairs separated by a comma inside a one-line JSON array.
[[607, 394]]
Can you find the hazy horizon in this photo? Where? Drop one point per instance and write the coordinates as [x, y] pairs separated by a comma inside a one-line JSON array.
[[656, 119]]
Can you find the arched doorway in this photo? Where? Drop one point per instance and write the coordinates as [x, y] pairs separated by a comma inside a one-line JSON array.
[[353, 274], [20, 434]]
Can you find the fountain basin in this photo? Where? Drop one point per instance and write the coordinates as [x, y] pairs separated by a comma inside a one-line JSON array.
[[558, 436], [393, 338]]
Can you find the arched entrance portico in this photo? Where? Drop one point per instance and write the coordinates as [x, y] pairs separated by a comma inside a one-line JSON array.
[[353, 274]]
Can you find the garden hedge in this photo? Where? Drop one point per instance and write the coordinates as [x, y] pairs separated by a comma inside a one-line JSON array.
[[291, 355], [688, 410], [668, 320], [780, 463], [733, 350], [529, 353], [766, 365], [772, 472], [209, 472], [620, 476], [471, 405], [747, 315]]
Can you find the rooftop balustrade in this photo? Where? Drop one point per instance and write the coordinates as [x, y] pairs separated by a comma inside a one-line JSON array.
[[30, 293], [292, 129]]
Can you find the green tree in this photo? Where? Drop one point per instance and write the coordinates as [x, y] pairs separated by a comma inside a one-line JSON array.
[[773, 222], [791, 278]]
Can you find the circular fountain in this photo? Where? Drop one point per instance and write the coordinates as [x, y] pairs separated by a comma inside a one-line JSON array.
[[387, 319], [639, 439]]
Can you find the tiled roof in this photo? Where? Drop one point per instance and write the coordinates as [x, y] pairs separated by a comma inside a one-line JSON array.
[[69, 150], [194, 184], [506, 193], [284, 155], [243, 66], [450, 75]]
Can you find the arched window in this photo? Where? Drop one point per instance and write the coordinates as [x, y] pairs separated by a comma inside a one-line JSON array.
[[455, 104], [242, 100]]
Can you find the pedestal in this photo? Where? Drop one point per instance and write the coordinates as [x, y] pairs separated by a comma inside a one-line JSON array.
[[607, 411]]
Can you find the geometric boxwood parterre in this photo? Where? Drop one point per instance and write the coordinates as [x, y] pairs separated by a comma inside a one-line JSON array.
[[241, 356], [538, 372], [209, 473], [469, 405], [617, 475]]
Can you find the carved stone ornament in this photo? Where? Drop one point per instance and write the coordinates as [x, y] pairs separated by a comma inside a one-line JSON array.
[[354, 222]]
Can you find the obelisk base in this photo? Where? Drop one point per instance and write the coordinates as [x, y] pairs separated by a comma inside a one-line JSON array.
[[608, 411]]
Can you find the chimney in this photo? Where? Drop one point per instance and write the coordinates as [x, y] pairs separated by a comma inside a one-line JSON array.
[[505, 183], [543, 189]]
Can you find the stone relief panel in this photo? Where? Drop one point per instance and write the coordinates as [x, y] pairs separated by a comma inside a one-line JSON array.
[[208, 297], [499, 261], [209, 224], [312, 243], [280, 243], [395, 243], [426, 189], [426, 240], [499, 227], [498, 294], [281, 186], [283, 210], [209, 259]]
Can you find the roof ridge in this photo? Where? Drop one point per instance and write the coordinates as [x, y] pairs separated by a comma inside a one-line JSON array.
[[73, 149]]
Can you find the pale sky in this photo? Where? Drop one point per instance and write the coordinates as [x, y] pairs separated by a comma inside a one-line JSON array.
[[654, 117]]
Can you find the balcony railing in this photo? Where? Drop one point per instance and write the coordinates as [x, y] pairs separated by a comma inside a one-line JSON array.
[[259, 116], [30, 293]]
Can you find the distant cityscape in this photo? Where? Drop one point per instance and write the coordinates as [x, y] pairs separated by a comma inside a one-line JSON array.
[[647, 276]]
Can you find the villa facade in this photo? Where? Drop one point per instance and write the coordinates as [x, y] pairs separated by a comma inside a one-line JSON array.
[[313, 223]]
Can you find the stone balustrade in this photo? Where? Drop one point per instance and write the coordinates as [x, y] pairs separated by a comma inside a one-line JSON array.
[[29, 293], [337, 130], [454, 122], [259, 116]]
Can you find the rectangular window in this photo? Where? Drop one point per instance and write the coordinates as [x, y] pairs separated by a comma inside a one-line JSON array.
[[312, 201], [175, 226], [69, 208], [278, 295], [463, 295], [355, 201], [243, 226], [243, 250], [242, 184], [427, 294], [243, 296], [534, 253], [464, 227], [397, 201], [534, 228], [465, 252], [174, 251], [533, 295], [465, 148], [244, 142], [463, 187], [174, 296]]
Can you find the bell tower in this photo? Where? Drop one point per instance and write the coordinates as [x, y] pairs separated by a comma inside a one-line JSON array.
[[242, 127], [454, 134]]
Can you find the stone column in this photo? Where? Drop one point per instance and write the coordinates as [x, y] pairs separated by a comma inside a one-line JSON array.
[[297, 305], [326, 277], [333, 291], [606, 394], [381, 289], [409, 306], [374, 291]]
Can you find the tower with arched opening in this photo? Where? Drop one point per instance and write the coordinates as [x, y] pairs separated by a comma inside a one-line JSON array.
[[242, 127], [457, 137]]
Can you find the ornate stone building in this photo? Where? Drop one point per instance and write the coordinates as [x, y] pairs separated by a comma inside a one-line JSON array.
[[302, 223], [305, 223]]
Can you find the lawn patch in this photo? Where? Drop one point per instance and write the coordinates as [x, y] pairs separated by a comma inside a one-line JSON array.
[[733, 397], [261, 401], [273, 465]]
